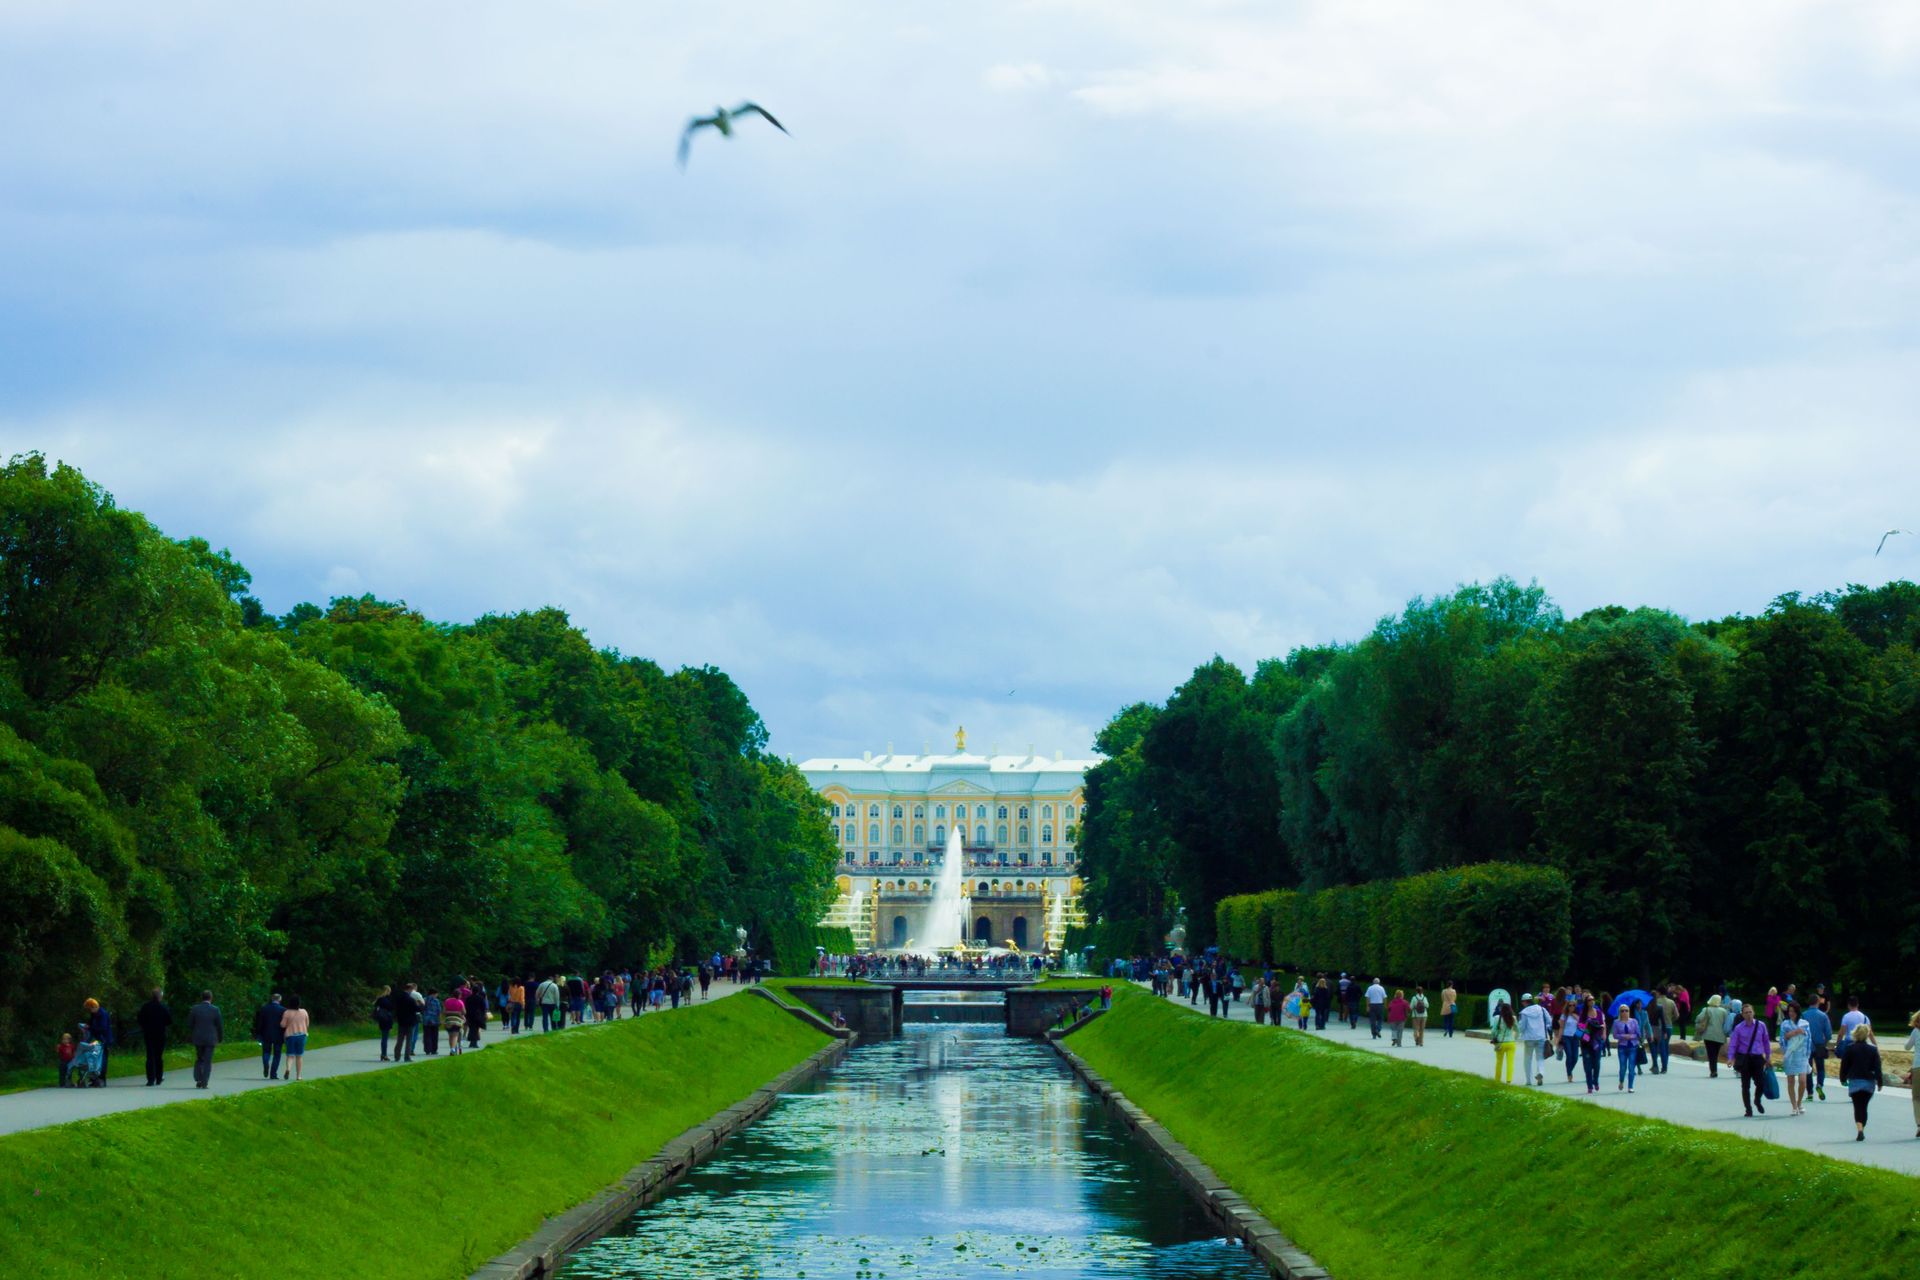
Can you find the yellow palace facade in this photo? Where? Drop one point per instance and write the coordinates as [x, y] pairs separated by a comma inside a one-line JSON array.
[[1018, 817]]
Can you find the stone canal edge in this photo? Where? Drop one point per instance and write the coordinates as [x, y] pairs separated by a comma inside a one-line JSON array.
[[542, 1252], [1227, 1207]]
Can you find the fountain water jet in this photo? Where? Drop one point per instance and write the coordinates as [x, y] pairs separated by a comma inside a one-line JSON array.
[[943, 927]]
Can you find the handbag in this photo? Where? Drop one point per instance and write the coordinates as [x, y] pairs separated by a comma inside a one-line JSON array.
[[1769, 1082], [1639, 1055]]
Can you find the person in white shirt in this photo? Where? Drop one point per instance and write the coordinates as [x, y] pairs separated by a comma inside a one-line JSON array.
[[1536, 1028], [1376, 1006]]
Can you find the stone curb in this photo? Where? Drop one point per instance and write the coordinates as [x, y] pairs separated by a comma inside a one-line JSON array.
[[1226, 1206], [803, 1013], [541, 1253]]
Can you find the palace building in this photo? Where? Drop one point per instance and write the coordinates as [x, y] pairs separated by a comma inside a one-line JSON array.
[[1018, 817]]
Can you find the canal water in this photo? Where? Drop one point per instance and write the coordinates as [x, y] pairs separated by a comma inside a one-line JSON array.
[[953, 1151]]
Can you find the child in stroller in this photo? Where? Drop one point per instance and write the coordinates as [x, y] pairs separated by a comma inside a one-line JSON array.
[[84, 1071]]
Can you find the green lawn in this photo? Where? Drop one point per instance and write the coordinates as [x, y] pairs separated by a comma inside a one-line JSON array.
[[1391, 1169], [132, 1061], [426, 1172]]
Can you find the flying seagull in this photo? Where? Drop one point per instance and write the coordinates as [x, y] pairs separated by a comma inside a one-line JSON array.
[[723, 120], [1888, 534]]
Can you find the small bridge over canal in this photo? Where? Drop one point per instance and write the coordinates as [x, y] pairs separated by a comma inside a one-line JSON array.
[[881, 1006]]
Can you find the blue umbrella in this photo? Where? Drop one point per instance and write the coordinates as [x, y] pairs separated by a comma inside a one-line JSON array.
[[1626, 998]]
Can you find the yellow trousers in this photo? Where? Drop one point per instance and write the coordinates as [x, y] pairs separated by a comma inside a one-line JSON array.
[[1503, 1062]]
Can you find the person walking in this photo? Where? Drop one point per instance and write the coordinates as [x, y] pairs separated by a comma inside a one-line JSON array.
[[1711, 1027], [1449, 1003], [1852, 1018], [1796, 1055], [1417, 1009], [294, 1024], [407, 1004], [267, 1033], [476, 1014], [205, 1030], [1820, 1037], [1504, 1029], [1659, 1030], [1593, 1039], [1376, 1006], [1913, 1047], [1748, 1049], [1397, 1011], [383, 1017], [1262, 998], [430, 1024], [516, 1002], [547, 995], [453, 1019], [1570, 1032], [1536, 1029], [100, 1030], [1322, 1003], [1860, 1072], [1626, 1043], [154, 1019]]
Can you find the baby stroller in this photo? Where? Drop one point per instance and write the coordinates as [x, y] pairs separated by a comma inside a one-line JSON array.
[[84, 1072]]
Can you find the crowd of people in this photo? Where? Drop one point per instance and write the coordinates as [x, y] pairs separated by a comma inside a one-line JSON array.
[[411, 1017], [1782, 1043], [905, 965]]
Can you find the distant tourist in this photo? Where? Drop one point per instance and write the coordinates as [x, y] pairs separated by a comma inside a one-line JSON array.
[[1820, 1038], [516, 1004], [476, 1014], [453, 1020], [63, 1054], [1262, 997], [1853, 1018], [1397, 1011], [154, 1019], [1322, 1003], [383, 1017], [268, 1035], [1376, 1006], [1449, 1004], [1536, 1029], [1860, 1072], [1711, 1027], [430, 1023], [1796, 1054], [1626, 1042], [1748, 1049], [547, 996], [1504, 1028], [294, 1024], [1571, 1032], [1913, 1047], [1593, 1040], [205, 1030], [100, 1032], [1417, 1012]]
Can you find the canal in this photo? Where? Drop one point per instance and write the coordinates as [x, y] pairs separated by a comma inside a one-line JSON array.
[[950, 1152]]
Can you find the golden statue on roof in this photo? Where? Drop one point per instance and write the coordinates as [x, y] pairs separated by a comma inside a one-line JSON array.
[[960, 741]]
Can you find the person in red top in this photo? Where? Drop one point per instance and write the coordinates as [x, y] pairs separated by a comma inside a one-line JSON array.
[[65, 1054], [1397, 1010]]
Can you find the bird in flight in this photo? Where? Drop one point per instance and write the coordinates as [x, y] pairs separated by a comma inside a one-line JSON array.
[[1888, 534], [723, 120]]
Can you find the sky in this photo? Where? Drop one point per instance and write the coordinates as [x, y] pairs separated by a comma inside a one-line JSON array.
[[1061, 346]]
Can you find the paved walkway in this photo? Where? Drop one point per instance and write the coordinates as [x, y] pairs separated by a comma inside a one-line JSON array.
[[37, 1108], [1685, 1095]]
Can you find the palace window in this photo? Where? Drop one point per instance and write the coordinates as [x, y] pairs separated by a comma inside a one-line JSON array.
[[1069, 814], [899, 812], [873, 834], [920, 811], [980, 833], [1046, 857], [1000, 834], [852, 856], [1003, 811], [939, 811], [983, 886], [979, 811], [940, 835], [918, 856], [899, 834], [852, 830], [1046, 811], [1023, 813], [1046, 835], [919, 833], [896, 857], [873, 811], [873, 856], [1023, 834]]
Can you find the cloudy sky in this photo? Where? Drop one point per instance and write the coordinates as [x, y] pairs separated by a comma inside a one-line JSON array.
[[1063, 345]]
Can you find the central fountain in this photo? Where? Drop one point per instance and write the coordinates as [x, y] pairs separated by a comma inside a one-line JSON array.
[[944, 925]]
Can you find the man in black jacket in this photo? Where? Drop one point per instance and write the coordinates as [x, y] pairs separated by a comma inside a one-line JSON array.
[[154, 1018], [406, 1016], [271, 1035]]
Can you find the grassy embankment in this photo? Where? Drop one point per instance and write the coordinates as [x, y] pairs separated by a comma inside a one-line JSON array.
[[131, 1059], [1391, 1169], [426, 1172]]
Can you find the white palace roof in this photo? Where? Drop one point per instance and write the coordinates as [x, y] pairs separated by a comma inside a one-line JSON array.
[[964, 773]]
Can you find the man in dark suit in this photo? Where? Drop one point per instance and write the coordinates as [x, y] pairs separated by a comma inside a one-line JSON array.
[[271, 1035], [154, 1018], [205, 1029]]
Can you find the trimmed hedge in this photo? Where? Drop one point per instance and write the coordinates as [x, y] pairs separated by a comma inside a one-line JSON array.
[[794, 947], [1494, 922]]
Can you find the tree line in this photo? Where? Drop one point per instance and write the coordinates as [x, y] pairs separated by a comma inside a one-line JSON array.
[[197, 792], [1738, 797]]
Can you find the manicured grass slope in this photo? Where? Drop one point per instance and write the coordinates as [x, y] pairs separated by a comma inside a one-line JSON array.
[[424, 1171], [1390, 1169]]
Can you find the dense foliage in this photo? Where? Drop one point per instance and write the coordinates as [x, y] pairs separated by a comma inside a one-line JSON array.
[[1731, 797], [192, 790], [1495, 922]]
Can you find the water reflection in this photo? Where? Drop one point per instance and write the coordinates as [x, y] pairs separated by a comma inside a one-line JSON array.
[[952, 1151]]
